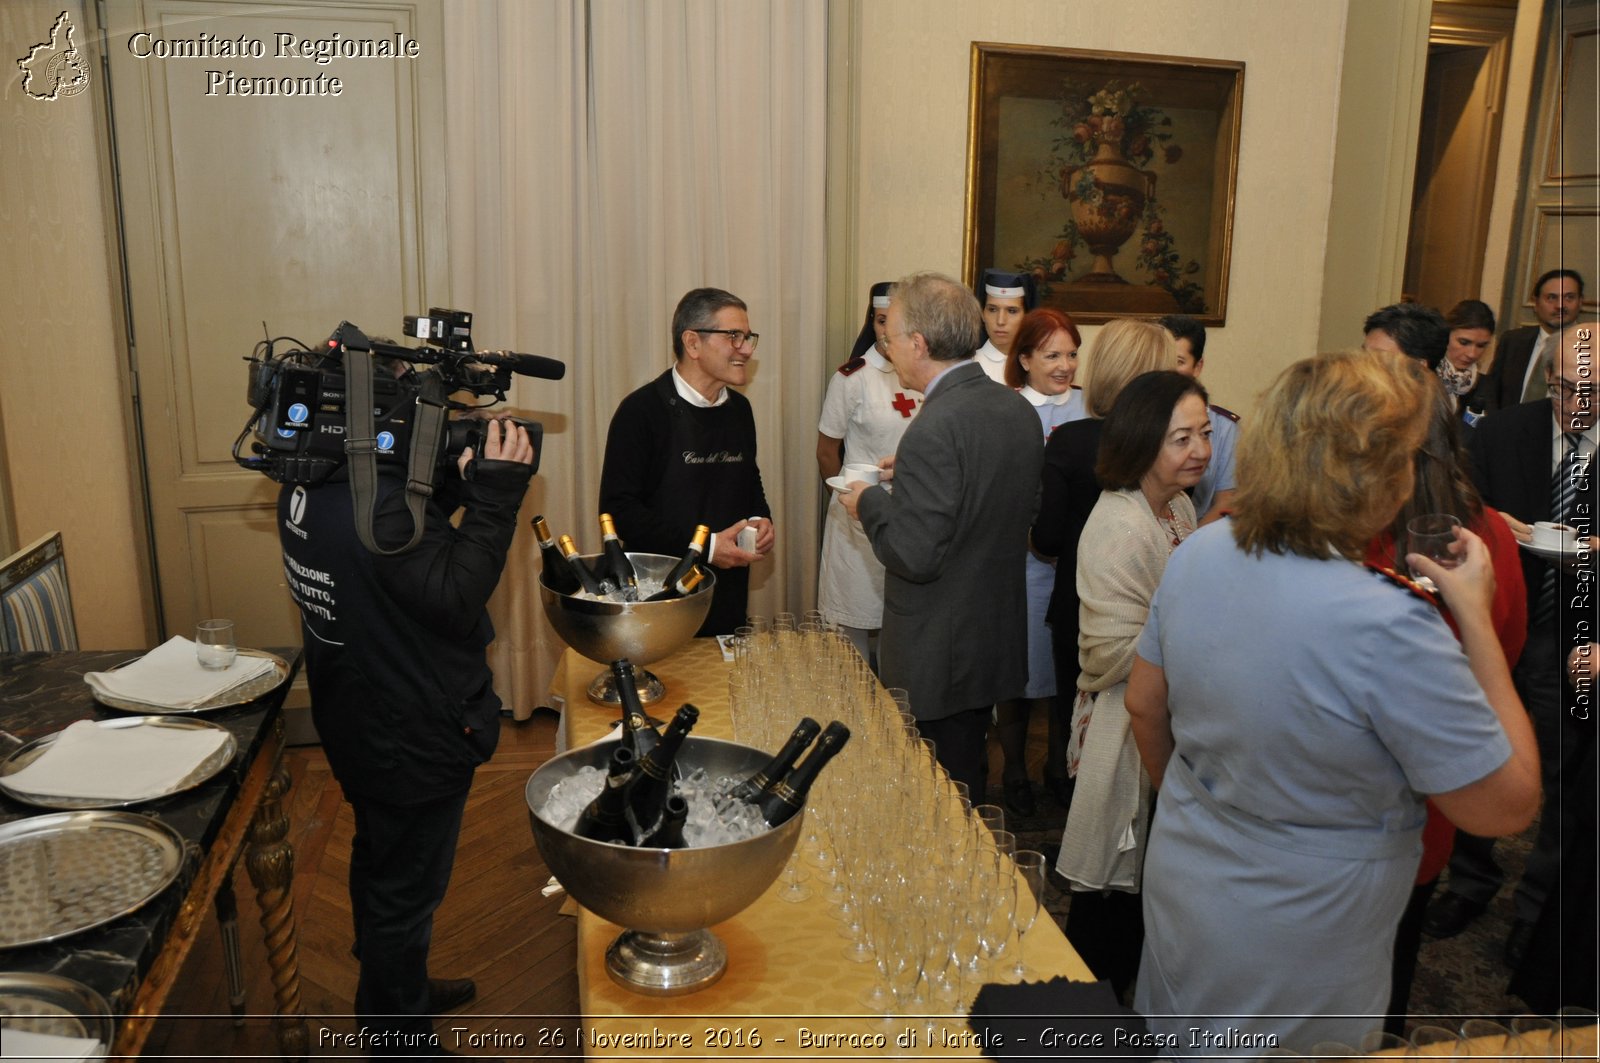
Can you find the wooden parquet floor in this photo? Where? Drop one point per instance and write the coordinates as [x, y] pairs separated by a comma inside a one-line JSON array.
[[494, 925]]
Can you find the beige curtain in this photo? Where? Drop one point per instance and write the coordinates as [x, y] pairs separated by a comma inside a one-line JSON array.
[[604, 157]]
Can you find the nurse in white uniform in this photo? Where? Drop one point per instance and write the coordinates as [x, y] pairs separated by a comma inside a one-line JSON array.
[[865, 413], [1005, 297], [1041, 366]]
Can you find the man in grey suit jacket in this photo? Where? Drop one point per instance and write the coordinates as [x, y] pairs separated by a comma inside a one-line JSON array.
[[953, 533]]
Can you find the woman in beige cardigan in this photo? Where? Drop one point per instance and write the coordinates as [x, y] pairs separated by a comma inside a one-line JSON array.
[[1156, 443]]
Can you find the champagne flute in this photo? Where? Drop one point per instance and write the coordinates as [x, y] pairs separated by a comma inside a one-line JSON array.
[[1030, 873], [996, 897], [1495, 1043], [1435, 1041]]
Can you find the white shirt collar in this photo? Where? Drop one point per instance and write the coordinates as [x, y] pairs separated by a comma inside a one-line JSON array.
[[1039, 398], [693, 397], [878, 361], [991, 352]]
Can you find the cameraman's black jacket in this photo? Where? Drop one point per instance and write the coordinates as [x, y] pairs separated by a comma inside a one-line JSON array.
[[400, 690]]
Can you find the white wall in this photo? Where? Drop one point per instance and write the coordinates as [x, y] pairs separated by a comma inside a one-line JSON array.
[[67, 438], [912, 113]]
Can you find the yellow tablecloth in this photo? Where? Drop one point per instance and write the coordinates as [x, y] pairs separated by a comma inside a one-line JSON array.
[[788, 983]]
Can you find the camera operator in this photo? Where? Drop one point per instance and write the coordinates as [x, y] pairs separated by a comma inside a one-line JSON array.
[[404, 701]]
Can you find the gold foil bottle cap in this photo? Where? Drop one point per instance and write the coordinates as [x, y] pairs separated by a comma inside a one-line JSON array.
[[541, 529], [608, 527]]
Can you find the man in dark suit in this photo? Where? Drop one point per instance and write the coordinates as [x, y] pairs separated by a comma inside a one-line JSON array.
[[953, 533], [1535, 462], [1518, 371]]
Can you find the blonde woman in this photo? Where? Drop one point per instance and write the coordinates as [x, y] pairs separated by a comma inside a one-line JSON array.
[[1293, 744], [1120, 351]]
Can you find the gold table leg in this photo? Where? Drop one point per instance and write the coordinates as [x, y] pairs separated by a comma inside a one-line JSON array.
[[270, 860]]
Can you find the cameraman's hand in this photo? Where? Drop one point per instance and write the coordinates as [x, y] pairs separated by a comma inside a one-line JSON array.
[[502, 441]]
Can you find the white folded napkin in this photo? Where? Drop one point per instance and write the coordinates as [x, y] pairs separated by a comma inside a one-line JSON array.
[[170, 677], [109, 763], [26, 1047]]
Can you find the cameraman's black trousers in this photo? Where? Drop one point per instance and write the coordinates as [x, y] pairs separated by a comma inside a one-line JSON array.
[[400, 862]]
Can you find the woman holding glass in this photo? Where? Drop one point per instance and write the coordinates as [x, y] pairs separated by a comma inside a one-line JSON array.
[[1156, 444], [865, 413], [1041, 366], [1445, 491], [1292, 745]]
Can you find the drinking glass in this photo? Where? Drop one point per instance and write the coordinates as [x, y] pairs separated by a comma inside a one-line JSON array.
[[1433, 535], [1383, 1041], [1493, 1042], [1435, 1041], [213, 644], [995, 894], [1578, 1032], [1030, 873], [993, 817], [1333, 1052]]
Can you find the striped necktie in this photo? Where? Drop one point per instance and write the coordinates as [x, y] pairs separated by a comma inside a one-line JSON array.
[[1563, 488]]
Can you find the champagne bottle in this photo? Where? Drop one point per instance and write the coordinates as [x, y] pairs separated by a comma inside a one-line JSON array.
[[670, 833], [605, 819], [652, 778], [778, 767], [679, 588], [638, 733], [618, 569], [691, 556], [783, 798], [558, 574], [586, 579]]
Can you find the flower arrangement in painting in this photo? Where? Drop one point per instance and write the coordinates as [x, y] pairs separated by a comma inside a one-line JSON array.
[[1107, 136]]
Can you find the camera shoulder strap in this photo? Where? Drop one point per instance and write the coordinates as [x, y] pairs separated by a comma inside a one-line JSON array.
[[361, 447]]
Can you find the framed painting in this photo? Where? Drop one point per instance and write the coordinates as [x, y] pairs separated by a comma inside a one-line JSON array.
[[1108, 176]]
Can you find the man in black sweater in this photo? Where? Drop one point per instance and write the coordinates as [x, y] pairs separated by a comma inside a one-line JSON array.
[[404, 702], [681, 451]]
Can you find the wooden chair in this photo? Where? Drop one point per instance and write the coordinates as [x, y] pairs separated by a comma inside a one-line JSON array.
[[35, 600]]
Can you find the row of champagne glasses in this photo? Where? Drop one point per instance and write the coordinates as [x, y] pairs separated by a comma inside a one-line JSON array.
[[927, 889]]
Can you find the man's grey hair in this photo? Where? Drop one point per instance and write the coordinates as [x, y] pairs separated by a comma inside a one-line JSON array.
[[944, 311], [697, 309]]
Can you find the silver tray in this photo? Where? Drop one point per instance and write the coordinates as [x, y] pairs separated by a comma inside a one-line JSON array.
[[36, 749], [66, 872], [239, 695], [50, 1004]]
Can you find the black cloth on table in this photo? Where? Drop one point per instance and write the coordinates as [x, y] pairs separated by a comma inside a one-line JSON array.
[[1058, 1019]]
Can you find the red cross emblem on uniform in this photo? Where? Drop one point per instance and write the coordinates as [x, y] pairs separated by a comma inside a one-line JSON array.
[[903, 404]]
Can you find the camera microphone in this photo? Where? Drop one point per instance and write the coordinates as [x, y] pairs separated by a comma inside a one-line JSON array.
[[524, 364]]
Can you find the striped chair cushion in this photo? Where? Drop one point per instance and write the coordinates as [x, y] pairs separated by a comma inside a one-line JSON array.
[[38, 612]]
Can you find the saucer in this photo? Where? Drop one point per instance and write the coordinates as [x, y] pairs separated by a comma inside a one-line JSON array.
[[1551, 553], [838, 483]]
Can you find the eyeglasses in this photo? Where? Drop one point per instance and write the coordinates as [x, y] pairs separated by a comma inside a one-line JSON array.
[[737, 336], [1568, 389]]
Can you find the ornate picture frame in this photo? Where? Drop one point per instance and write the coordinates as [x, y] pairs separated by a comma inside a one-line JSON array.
[[1108, 175]]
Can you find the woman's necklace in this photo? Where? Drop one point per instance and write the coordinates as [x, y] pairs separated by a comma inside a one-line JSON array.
[[1177, 530]]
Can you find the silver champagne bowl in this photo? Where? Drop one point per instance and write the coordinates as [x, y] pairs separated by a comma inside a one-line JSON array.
[[665, 897], [640, 631]]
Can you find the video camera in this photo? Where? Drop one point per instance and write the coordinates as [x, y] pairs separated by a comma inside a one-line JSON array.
[[306, 415]]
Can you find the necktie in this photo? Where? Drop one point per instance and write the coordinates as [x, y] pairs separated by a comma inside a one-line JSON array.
[[1537, 388], [1563, 487]]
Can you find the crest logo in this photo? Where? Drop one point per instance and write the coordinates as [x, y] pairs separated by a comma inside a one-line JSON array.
[[55, 68]]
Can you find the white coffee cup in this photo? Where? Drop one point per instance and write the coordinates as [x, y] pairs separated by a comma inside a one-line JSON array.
[[861, 472], [1551, 536]]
